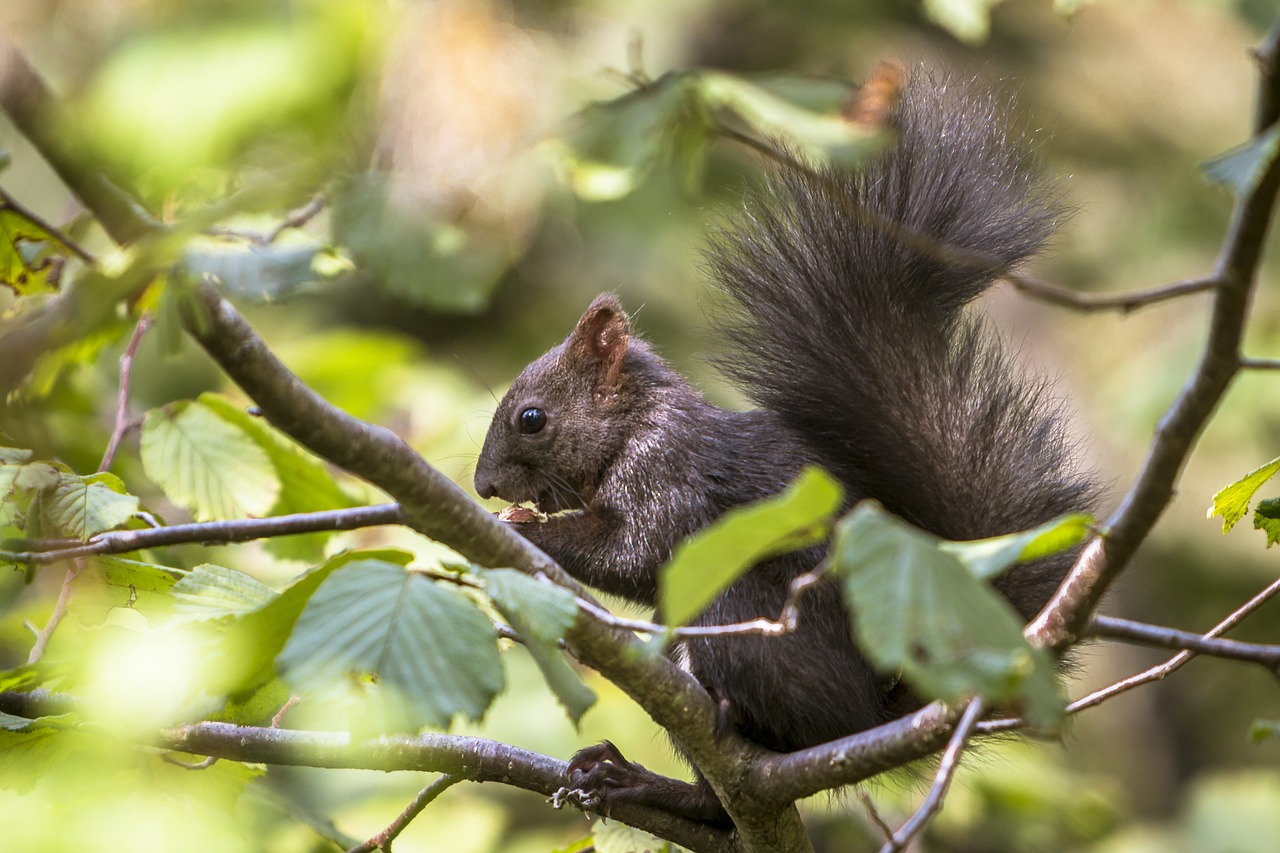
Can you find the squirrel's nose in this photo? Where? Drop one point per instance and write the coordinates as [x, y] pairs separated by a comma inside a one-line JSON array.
[[485, 487]]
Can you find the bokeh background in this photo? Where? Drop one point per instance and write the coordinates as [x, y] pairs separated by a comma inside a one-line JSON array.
[[487, 240]]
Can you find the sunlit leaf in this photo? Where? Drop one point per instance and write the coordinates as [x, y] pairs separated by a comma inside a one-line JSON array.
[[27, 751], [31, 257], [705, 565], [614, 837], [210, 591], [262, 273], [305, 482], [916, 609], [987, 558], [541, 613], [84, 506], [207, 464], [1232, 502], [108, 582], [1262, 730], [1242, 168], [967, 20], [427, 642], [1266, 517], [173, 100]]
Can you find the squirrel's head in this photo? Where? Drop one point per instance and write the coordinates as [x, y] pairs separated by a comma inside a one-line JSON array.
[[567, 415]]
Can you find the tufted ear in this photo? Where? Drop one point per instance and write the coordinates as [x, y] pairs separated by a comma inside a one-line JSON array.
[[599, 341]]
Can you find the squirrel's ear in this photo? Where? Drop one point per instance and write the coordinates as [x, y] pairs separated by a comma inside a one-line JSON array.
[[600, 339]]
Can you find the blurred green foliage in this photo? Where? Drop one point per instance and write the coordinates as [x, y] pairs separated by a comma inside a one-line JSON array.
[[487, 170]]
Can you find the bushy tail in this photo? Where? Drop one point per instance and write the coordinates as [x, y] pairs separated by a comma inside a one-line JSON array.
[[850, 291]]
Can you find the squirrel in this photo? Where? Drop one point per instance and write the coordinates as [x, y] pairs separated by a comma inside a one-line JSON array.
[[849, 332]]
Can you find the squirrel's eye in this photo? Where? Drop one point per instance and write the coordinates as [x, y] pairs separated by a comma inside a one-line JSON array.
[[532, 420]]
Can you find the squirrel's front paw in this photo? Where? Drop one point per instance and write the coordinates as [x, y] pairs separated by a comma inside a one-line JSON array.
[[599, 776]]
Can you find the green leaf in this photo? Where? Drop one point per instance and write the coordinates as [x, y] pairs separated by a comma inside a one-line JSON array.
[[987, 558], [817, 135], [109, 582], [27, 752], [206, 464], [85, 506], [415, 254], [967, 20], [262, 273], [540, 613], [916, 609], [425, 641], [1266, 517], [620, 838], [706, 564], [210, 591], [1261, 730], [31, 257], [305, 482], [1232, 502], [243, 653], [1242, 168]]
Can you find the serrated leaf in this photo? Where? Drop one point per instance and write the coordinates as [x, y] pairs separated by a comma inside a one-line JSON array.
[[1266, 517], [32, 258], [916, 609], [305, 482], [541, 613], [244, 652], [1242, 168], [707, 563], [987, 558], [427, 642], [210, 591], [206, 464], [85, 506], [1232, 502], [109, 582]]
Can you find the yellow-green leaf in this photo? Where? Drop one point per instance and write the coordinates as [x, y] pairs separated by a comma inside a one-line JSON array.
[[1232, 502]]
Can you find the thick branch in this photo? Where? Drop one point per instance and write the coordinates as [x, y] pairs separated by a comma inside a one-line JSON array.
[[472, 758], [209, 532], [1065, 616]]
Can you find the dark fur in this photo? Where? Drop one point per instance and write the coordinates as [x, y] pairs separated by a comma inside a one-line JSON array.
[[850, 333]]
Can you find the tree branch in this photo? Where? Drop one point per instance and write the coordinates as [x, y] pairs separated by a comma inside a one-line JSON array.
[[1144, 634], [208, 532], [472, 758], [421, 801], [942, 779], [1065, 616], [122, 396]]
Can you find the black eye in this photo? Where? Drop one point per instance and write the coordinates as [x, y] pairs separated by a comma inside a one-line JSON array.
[[532, 420]]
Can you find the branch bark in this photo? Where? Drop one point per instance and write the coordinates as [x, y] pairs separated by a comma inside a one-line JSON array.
[[1066, 615]]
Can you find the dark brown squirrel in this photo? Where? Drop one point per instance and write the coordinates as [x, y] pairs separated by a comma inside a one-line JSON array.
[[849, 332]]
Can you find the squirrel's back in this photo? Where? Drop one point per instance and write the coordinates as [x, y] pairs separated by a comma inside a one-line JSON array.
[[849, 292]]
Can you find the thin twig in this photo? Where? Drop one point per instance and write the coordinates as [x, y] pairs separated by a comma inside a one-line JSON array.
[[873, 814], [123, 422], [208, 532], [1155, 673], [293, 219], [425, 796], [59, 611], [942, 779], [13, 204], [788, 617], [208, 762], [1260, 363], [1123, 302], [1171, 638]]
